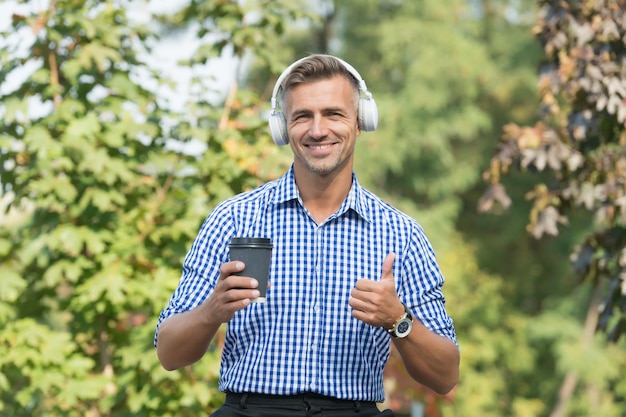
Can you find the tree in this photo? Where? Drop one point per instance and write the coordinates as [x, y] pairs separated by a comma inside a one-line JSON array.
[[578, 147], [580, 141], [94, 163]]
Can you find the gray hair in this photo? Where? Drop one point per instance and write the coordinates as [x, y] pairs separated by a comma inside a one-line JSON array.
[[318, 67]]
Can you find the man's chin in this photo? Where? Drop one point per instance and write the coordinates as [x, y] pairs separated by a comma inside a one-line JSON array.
[[321, 168]]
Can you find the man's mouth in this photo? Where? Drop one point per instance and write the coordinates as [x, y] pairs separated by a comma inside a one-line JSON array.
[[319, 147]]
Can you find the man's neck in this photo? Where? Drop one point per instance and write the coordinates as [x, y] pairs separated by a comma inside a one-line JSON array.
[[322, 195]]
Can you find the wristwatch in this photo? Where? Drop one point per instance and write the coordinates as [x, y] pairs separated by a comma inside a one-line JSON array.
[[402, 327]]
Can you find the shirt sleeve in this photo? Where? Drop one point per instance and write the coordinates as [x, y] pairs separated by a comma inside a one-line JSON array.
[[422, 283], [201, 267]]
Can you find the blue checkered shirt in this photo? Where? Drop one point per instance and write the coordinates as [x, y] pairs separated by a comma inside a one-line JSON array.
[[304, 338]]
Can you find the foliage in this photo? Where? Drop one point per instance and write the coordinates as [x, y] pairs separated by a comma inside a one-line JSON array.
[[96, 166], [580, 141], [105, 180], [576, 154]]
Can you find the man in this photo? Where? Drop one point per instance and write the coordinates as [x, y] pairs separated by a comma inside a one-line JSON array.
[[349, 273]]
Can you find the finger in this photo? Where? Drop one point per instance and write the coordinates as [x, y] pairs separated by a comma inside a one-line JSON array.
[[230, 268], [388, 267], [359, 304], [364, 285], [236, 282], [224, 305], [235, 295]]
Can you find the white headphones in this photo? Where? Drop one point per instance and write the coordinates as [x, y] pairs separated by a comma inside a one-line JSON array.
[[367, 110]]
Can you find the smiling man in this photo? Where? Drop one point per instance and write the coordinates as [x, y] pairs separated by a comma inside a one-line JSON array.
[[350, 274]]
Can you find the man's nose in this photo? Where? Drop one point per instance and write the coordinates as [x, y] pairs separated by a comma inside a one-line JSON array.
[[318, 128]]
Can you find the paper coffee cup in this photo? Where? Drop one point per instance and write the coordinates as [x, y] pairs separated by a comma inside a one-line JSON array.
[[256, 253]]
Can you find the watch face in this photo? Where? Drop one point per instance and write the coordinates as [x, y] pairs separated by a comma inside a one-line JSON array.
[[403, 327]]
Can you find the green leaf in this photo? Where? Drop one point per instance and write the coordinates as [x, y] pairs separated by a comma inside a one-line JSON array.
[[11, 284], [108, 284], [15, 109], [86, 127], [4, 383]]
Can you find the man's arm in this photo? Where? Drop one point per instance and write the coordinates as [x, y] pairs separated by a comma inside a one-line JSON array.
[[185, 337], [430, 359]]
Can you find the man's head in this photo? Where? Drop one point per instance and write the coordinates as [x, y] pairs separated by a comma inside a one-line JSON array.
[[316, 68]]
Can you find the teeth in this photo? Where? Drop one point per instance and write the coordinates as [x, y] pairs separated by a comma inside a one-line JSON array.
[[318, 147]]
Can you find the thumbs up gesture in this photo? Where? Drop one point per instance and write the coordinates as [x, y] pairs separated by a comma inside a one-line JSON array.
[[376, 302]]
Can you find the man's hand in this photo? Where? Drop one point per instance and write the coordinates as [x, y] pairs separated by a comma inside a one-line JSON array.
[[231, 293], [376, 302], [185, 337]]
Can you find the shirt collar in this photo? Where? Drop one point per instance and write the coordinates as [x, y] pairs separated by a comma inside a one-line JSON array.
[[287, 190]]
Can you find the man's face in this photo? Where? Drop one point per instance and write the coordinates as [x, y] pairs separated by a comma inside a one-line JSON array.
[[322, 124]]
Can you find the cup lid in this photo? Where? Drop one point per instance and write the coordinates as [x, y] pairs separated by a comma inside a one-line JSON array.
[[251, 241]]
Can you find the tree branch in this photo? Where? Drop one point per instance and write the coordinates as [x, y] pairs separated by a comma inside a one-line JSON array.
[[54, 68]]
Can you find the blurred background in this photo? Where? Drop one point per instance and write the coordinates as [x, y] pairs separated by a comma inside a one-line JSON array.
[[501, 131]]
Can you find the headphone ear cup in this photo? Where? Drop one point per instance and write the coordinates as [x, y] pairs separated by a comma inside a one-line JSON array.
[[368, 114], [278, 128]]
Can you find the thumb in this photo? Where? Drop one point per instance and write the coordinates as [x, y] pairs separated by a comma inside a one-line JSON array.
[[387, 267]]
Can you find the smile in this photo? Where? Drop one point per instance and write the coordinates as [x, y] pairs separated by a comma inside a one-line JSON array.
[[319, 147]]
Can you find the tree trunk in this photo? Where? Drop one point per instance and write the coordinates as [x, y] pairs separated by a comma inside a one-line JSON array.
[[571, 378]]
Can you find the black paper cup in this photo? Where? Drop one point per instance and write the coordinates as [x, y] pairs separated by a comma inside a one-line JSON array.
[[256, 253]]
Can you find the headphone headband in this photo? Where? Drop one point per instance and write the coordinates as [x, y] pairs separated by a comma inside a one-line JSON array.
[[287, 71]]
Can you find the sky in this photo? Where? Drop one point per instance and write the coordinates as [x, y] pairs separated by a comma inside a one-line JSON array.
[[163, 57]]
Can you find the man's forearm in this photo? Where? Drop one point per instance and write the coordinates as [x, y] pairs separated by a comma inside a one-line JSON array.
[[430, 359], [184, 338]]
